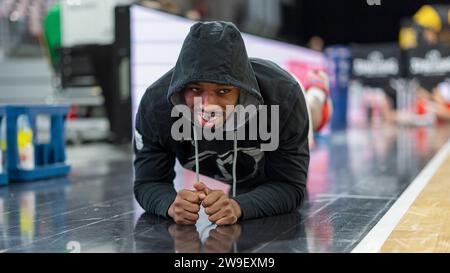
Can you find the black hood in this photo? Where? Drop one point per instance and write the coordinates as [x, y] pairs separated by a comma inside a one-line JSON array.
[[215, 52]]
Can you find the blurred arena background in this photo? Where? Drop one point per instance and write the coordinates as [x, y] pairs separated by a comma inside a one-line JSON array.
[[389, 68]]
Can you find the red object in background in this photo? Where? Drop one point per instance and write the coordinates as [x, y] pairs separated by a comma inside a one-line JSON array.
[[325, 115], [317, 78], [422, 143], [421, 107], [300, 71], [72, 112]]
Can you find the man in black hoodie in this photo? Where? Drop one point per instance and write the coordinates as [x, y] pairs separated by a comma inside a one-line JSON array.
[[268, 175]]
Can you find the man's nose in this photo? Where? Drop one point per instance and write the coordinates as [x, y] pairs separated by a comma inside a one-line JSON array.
[[208, 98]]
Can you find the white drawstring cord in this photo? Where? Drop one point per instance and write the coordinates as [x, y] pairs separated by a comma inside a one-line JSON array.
[[197, 168], [234, 163]]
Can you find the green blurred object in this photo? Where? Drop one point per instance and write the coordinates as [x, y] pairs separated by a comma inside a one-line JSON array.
[[52, 33]]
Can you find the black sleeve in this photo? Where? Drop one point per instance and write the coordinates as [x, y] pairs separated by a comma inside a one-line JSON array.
[[286, 168], [153, 168]]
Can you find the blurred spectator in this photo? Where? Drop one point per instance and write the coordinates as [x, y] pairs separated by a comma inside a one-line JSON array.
[[429, 37], [316, 86], [437, 101], [380, 108], [316, 43], [429, 26]]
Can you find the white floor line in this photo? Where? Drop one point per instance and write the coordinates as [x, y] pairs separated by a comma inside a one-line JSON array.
[[374, 240]]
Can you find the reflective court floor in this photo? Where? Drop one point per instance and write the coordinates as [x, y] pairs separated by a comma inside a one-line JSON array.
[[355, 176]]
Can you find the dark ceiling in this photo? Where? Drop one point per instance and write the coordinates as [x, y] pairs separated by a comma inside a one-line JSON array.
[[346, 21]]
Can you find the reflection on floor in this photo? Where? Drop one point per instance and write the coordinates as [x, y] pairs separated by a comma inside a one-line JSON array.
[[355, 176]]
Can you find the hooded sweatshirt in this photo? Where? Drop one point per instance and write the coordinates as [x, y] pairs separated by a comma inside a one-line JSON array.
[[266, 183]]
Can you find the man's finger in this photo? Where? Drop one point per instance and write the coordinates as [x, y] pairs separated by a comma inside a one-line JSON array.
[[182, 214], [212, 197], [189, 196], [190, 216], [189, 206], [199, 186], [216, 206], [201, 195], [220, 214], [226, 221]]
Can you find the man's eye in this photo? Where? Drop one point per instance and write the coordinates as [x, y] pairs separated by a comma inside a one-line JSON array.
[[224, 91], [195, 90]]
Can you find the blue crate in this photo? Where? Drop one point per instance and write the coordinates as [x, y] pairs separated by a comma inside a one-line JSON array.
[[4, 173], [50, 157]]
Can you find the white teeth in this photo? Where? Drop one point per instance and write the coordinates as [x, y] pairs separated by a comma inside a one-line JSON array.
[[206, 116], [209, 116]]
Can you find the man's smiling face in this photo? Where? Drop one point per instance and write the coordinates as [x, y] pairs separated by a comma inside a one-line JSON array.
[[214, 100]]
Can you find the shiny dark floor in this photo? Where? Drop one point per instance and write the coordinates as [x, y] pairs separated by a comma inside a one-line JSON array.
[[355, 176]]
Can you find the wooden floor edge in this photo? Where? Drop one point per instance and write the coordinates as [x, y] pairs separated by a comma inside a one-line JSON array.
[[392, 226]]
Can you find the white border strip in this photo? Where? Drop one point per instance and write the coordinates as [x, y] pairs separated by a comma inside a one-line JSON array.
[[376, 237]]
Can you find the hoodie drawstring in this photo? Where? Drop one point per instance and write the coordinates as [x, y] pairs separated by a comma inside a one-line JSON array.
[[234, 163], [197, 168]]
